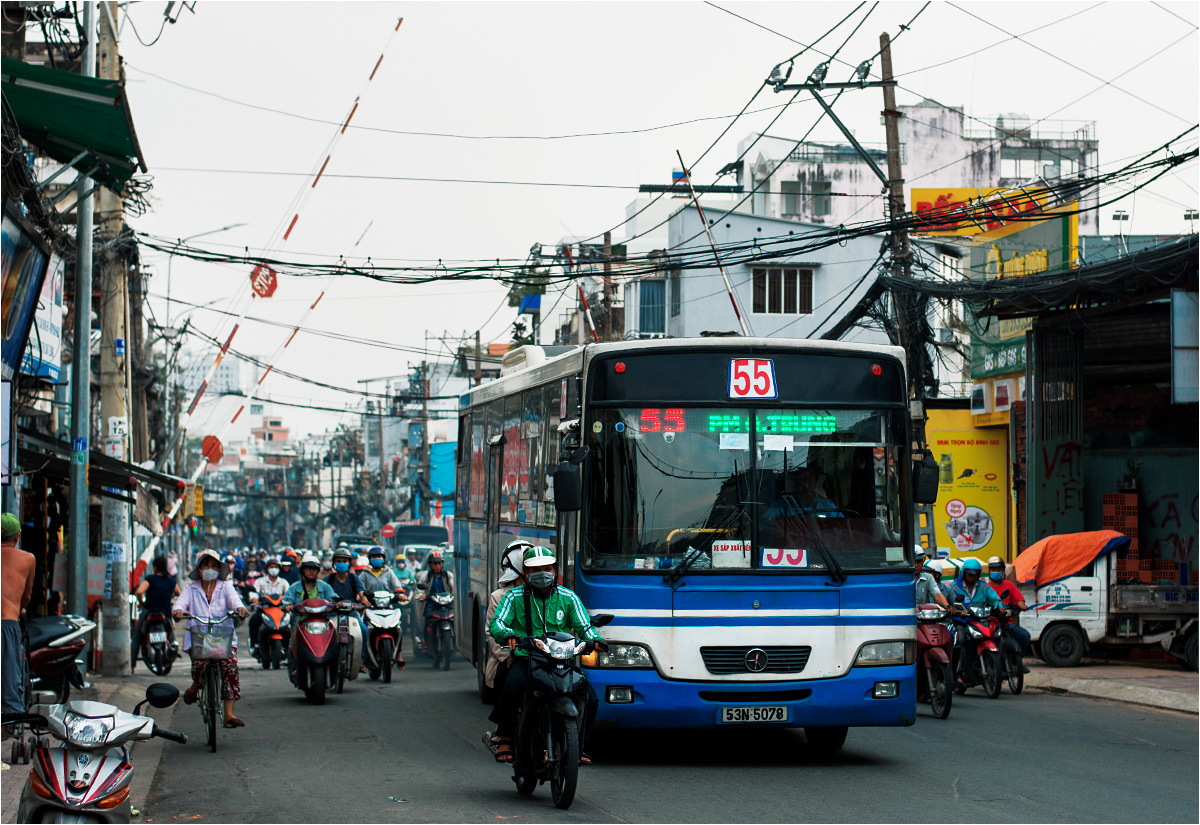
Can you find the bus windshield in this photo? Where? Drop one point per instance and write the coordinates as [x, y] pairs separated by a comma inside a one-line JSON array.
[[787, 489]]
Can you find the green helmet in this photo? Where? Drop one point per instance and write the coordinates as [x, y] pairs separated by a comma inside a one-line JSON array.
[[539, 557]]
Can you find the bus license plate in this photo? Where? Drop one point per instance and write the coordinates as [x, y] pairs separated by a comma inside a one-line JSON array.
[[157, 636], [754, 713]]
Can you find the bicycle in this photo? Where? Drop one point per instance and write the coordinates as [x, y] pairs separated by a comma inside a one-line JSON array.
[[211, 645]]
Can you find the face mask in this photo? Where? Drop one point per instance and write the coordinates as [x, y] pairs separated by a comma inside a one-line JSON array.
[[274, 571], [342, 566], [542, 580], [377, 563], [209, 574], [997, 575]]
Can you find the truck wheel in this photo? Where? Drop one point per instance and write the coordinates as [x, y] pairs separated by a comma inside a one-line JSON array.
[[1062, 646], [1189, 651]]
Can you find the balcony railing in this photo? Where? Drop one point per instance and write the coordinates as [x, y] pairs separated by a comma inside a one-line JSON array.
[[1020, 128]]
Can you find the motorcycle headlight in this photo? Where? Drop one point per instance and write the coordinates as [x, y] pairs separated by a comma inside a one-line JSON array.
[[382, 601], [974, 632], [84, 731], [619, 656], [877, 654], [931, 614], [316, 628]]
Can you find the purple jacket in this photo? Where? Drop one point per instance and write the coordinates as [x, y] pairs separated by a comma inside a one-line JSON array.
[[225, 600]]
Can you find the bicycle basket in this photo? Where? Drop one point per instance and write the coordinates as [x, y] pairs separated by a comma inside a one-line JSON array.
[[214, 643]]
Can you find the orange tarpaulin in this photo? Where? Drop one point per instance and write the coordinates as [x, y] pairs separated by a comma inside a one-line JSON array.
[[1057, 557]]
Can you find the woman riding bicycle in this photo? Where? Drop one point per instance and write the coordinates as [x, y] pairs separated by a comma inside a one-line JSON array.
[[210, 595]]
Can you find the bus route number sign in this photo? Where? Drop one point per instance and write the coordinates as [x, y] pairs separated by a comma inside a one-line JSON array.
[[752, 378]]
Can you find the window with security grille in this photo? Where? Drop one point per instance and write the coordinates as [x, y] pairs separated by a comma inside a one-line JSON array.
[[783, 291]]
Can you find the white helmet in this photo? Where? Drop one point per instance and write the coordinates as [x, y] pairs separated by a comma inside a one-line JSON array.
[[309, 560]]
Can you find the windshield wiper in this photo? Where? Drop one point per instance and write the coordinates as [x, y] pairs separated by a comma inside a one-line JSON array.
[[676, 573], [835, 569]]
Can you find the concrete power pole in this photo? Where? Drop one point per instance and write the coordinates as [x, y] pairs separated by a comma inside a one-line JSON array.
[[901, 256], [425, 508], [114, 391], [81, 365]]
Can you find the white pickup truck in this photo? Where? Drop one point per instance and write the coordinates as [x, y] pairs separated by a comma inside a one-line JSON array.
[[1088, 609]]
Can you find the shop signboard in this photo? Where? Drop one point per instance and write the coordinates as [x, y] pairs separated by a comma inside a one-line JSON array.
[[971, 514], [972, 210], [26, 258], [1015, 250], [43, 353]]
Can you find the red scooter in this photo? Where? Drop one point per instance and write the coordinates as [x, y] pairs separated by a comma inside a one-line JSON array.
[[980, 629], [935, 652], [313, 663]]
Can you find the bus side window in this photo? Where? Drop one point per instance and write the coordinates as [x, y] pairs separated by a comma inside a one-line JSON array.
[[551, 448]]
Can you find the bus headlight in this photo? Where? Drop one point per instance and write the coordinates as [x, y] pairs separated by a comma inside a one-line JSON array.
[[878, 654], [619, 655]]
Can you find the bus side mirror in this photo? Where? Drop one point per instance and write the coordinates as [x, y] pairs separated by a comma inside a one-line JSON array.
[[925, 480], [568, 488]]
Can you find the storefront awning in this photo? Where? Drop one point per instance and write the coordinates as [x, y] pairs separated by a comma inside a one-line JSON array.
[[66, 114]]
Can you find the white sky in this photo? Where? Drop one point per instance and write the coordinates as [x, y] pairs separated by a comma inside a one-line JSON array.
[[552, 69]]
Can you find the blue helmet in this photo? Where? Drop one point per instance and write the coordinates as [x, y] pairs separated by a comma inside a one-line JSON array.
[[972, 566]]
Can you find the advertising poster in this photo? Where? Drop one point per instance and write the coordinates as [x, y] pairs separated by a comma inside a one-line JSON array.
[[43, 353], [26, 258], [970, 516]]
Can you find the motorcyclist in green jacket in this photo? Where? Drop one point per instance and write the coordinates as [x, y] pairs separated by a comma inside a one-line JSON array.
[[554, 608]]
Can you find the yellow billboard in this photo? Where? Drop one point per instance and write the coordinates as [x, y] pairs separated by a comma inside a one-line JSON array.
[[971, 515], [971, 210]]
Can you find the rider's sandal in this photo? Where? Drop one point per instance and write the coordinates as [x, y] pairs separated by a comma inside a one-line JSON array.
[[504, 752], [401, 664], [190, 696], [584, 759]]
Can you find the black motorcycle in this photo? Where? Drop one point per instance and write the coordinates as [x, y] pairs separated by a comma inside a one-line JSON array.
[[551, 722], [440, 624], [159, 648]]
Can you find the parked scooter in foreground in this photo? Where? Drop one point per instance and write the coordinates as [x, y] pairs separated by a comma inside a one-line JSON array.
[[549, 731], [313, 663], [935, 652], [53, 644], [89, 779], [383, 633]]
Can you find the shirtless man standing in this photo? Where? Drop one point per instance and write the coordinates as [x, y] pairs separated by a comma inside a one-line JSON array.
[[16, 587]]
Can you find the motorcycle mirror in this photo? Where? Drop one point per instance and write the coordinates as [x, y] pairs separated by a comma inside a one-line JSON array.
[[162, 694], [601, 619]]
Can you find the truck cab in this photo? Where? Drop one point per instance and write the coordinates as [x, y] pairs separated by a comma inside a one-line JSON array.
[[1068, 617]]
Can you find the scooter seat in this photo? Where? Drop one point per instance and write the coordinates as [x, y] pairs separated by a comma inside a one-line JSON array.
[[46, 629]]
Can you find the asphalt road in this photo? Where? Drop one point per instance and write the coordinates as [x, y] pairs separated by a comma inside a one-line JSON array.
[[1034, 758]]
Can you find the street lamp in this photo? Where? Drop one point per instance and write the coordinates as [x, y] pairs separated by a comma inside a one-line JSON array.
[[171, 260]]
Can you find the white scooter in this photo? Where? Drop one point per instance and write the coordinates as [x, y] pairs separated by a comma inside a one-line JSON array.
[[383, 633], [88, 780]]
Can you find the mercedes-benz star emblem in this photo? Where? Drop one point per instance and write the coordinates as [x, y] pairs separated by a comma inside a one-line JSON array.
[[756, 660]]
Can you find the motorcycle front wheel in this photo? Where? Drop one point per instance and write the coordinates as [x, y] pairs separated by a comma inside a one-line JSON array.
[[385, 657], [941, 694], [565, 776], [989, 663], [343, 664], [276, 653], [316, 685], [446, 646]]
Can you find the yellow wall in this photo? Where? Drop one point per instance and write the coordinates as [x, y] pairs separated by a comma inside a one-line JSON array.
[[973, 514]]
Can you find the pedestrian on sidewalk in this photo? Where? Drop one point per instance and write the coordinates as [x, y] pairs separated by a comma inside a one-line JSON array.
[[210, 595], [16, 588]]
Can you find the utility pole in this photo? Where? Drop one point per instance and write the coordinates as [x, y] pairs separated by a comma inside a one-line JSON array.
[[387, 385], [81, 364], [478, 360], [608, 319], [425, 510], [901, 263], [114, 392]]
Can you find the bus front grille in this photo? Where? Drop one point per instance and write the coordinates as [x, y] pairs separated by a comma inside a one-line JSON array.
[[726, 660]]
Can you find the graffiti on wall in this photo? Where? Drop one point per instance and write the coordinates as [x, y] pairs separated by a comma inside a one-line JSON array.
[[1058, 483], [1173, 524]]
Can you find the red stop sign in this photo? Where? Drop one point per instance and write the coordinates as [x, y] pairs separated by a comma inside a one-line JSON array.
[[211, 448], [263, 281], [388, 531]]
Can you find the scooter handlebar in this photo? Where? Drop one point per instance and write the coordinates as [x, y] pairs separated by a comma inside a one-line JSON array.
[[174, 736]]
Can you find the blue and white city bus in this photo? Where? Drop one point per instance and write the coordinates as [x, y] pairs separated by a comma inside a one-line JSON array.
[[745, 515]]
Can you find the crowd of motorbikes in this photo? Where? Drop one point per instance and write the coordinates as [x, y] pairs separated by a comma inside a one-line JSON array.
[[959, 648]]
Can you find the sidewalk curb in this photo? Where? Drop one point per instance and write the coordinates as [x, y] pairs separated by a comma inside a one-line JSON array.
[[1116, 692]]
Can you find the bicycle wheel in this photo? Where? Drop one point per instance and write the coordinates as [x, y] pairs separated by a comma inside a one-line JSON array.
[[212, 698], [565, 776]]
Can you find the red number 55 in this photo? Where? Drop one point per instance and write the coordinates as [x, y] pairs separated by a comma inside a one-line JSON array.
[[752, 378]]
